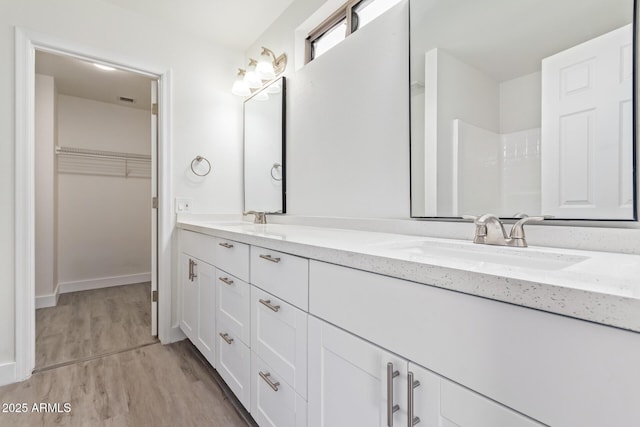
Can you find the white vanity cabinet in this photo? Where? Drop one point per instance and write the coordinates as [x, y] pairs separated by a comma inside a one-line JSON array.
[[279, 299], [197, 302], [233, 358], [437, 401], [556, 370], [353, 382]]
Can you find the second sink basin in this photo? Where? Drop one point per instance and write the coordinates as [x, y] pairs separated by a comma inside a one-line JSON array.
[[535, 258]]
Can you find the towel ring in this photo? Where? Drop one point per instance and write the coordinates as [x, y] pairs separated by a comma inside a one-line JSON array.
[[274, 167], [200, 166]]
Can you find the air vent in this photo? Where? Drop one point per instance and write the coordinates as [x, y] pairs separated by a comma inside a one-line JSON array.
[[129, 100]]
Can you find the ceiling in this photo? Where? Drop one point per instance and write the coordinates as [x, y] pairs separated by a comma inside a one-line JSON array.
[[83, 79], [232, 23]]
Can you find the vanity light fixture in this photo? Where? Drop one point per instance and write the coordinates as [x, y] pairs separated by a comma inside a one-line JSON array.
[[267, 69], [240, 86], [251, 76]]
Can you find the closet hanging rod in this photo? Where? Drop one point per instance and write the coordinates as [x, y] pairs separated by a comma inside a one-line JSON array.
[[101, 154]]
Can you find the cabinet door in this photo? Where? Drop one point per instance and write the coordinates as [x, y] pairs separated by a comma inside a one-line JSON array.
[[188, 298], [440, 402], [233, 301], [349, 383], [206, 310], [234, 364]]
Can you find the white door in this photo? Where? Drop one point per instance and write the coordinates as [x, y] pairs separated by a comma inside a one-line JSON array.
[[348, 380], [154, 208], [188, 296], [440, 402], [587, 129], [206, 310]]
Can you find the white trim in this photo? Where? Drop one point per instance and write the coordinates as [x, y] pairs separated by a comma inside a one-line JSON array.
[[7, 373], [177, 334], [26, 42], [102, 282], [46, 301]]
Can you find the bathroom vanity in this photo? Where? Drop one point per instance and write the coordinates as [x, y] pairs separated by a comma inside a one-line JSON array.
[[326, 327]]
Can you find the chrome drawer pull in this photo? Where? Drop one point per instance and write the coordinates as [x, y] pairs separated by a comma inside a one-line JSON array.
[[265, 377], [226, 338], [190, 270], [226, 245], [226, 280], [267, 303], [411, 385], [270, 258], [391, 408]]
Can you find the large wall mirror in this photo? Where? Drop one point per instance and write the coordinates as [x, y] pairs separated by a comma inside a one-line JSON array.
[[523, 106], [264, 149]]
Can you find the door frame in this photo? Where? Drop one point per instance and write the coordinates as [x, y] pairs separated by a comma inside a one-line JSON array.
[[26, 43]]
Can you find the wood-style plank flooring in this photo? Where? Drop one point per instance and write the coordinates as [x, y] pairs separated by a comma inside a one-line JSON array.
[[153, 385], [91, 323]]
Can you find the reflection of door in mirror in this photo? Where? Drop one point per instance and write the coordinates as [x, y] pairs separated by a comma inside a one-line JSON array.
[[587, 125], [264, 142], [485, 135]]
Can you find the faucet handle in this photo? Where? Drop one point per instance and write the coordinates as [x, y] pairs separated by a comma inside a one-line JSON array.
[[517, 231], [470, 217]]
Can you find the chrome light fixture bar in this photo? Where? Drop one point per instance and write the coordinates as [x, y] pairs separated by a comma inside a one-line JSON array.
[[266, 70]]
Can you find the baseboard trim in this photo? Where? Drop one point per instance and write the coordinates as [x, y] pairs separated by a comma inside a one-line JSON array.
[[45, 301], [103, 282], [176, 335], [7, 373]]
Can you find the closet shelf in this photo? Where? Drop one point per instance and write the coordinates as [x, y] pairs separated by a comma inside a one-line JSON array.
[[103, 163]]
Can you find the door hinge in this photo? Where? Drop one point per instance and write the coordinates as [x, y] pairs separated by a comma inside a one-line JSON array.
[[154, 202], [154, 109], [154, 296]]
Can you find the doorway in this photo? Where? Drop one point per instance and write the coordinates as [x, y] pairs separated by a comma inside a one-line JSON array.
[[95, 154], [27, 42]]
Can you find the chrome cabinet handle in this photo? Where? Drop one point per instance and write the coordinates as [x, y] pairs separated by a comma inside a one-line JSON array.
[[193, 270], [226, 338], [411, 385], [226, 245], [265, 376], [391, 408], [270, 258], [226, 280], [267, 303]]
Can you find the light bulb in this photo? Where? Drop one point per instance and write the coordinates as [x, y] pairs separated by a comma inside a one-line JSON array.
[[240, 88], [264, 69], [252, 79]]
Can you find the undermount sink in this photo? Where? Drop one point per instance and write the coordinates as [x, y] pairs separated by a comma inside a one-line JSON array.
[[539, 259]]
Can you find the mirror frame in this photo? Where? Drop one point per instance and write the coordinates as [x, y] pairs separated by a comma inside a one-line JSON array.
[[283, 125], [557, 221]]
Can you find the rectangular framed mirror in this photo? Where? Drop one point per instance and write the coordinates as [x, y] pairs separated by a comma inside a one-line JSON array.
[[523, 107], [264, 149]]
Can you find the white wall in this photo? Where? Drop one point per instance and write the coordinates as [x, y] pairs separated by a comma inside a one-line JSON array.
[[206, 117], [45, 185], [458, 91], [347, 119], [104, 222], [520, 103]]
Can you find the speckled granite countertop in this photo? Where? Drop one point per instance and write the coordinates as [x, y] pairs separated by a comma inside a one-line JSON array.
[[601, 287]]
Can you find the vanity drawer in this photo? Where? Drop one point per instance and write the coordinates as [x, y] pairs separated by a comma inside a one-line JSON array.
[[284, 275], [234, 365], [234, 305], [198, 245], [274, 403], [232, 257], [279, 337]]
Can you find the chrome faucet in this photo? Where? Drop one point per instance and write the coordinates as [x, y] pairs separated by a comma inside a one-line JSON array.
[[490, 230], [259, 218]]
